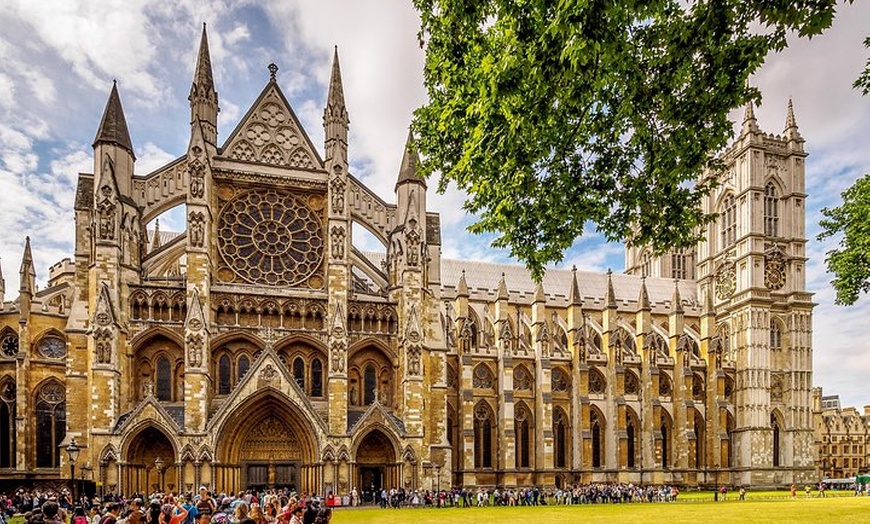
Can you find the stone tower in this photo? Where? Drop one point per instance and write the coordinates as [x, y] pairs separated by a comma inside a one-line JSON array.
[[751, 269]]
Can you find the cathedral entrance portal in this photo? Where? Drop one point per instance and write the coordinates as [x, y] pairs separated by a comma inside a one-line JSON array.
[[376, 463], [267, 443]]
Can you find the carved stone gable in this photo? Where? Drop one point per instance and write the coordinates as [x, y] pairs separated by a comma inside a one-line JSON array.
[[271, 134]]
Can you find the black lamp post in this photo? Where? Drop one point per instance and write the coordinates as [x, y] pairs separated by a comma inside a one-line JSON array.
[[72, 452], [158, 464]]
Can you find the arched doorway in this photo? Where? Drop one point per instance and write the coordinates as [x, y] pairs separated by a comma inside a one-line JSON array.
[[268, 442], [376, 464], [150, 463]]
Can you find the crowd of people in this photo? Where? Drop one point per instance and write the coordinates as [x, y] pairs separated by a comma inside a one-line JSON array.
[[599, 493], [271, 507]]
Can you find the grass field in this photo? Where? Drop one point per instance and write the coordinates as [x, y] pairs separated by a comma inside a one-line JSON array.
[[758, 508]]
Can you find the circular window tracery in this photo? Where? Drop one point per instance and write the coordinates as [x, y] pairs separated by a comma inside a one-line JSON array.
[[270, 237], [52, 347]]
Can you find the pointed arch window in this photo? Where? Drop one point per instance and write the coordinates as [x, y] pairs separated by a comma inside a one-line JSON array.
[[483, 435], [631, 436], [728, 221], [50, 424], [665, 429], [774, 424], [523, 432], [164, 379], [560, 435], [243, 367], [775, 335], [224, 376], [682, 262], [7, 424], [316, 378], [299, 372], [771, 210], [597, 425], [646, 264], [370, 384]]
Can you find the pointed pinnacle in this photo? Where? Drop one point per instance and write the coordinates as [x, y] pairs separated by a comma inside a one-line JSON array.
[[540, 296], [410, 161], [27, 258], [574, 298], [113, 126], [335, 98], [202, 77], [610, 295], [502, 292], [676, 300], [708, 301], [462, 286], [643, 297]]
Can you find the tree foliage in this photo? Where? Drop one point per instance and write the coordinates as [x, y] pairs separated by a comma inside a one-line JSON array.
[[850, 262], [554, 114], [863, 81]]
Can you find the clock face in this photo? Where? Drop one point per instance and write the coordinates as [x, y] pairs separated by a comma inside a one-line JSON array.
[[10, 345], [52, 347]]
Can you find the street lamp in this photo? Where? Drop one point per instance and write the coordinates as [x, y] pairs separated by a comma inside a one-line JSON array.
[[72, 452], [158, 464]]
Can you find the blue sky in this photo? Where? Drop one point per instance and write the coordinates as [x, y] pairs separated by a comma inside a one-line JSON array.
[[58, 59]]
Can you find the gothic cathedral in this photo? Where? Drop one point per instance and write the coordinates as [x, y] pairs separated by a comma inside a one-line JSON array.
[[261, 348]]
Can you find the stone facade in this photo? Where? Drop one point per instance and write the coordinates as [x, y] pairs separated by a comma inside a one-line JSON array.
[[842, 438], [262, 348]]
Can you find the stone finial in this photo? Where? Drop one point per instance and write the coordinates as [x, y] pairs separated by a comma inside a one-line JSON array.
[[410, 160], [273, 72], [540, 296], [462, 286], [155, 240], [113, 126], [574, 297], [676, 300], [750, 124], [708, 301], [643, 303], [502, 292], [610, 295], [791, 128], [27, 273]]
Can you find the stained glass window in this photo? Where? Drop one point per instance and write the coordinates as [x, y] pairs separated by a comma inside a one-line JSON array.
[[316, 378], [50, 424]]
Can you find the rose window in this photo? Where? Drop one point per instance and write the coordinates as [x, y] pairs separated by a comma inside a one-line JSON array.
[[52, 347], [270, 237]]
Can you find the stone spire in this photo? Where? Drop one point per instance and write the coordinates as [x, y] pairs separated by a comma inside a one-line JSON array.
[[574, 298], [610, 295], [643, 297], [113, 126], [791, 128], [410, 161], [502, 292], [676, 301], [335, 118], [203, 96], [708, 301], [462, 286], [27, 273], [2, 287], [335, 98]]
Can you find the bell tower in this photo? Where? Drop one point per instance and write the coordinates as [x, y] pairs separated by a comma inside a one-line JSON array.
[[753, 262]]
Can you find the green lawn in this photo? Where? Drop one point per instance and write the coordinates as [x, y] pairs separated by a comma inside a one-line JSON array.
[[758, 508]]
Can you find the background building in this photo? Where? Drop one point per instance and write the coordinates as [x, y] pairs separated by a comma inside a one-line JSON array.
[[260, 347], [841, 437]]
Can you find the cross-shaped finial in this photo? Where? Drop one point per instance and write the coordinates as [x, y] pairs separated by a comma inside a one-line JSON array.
[[273, 70]]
